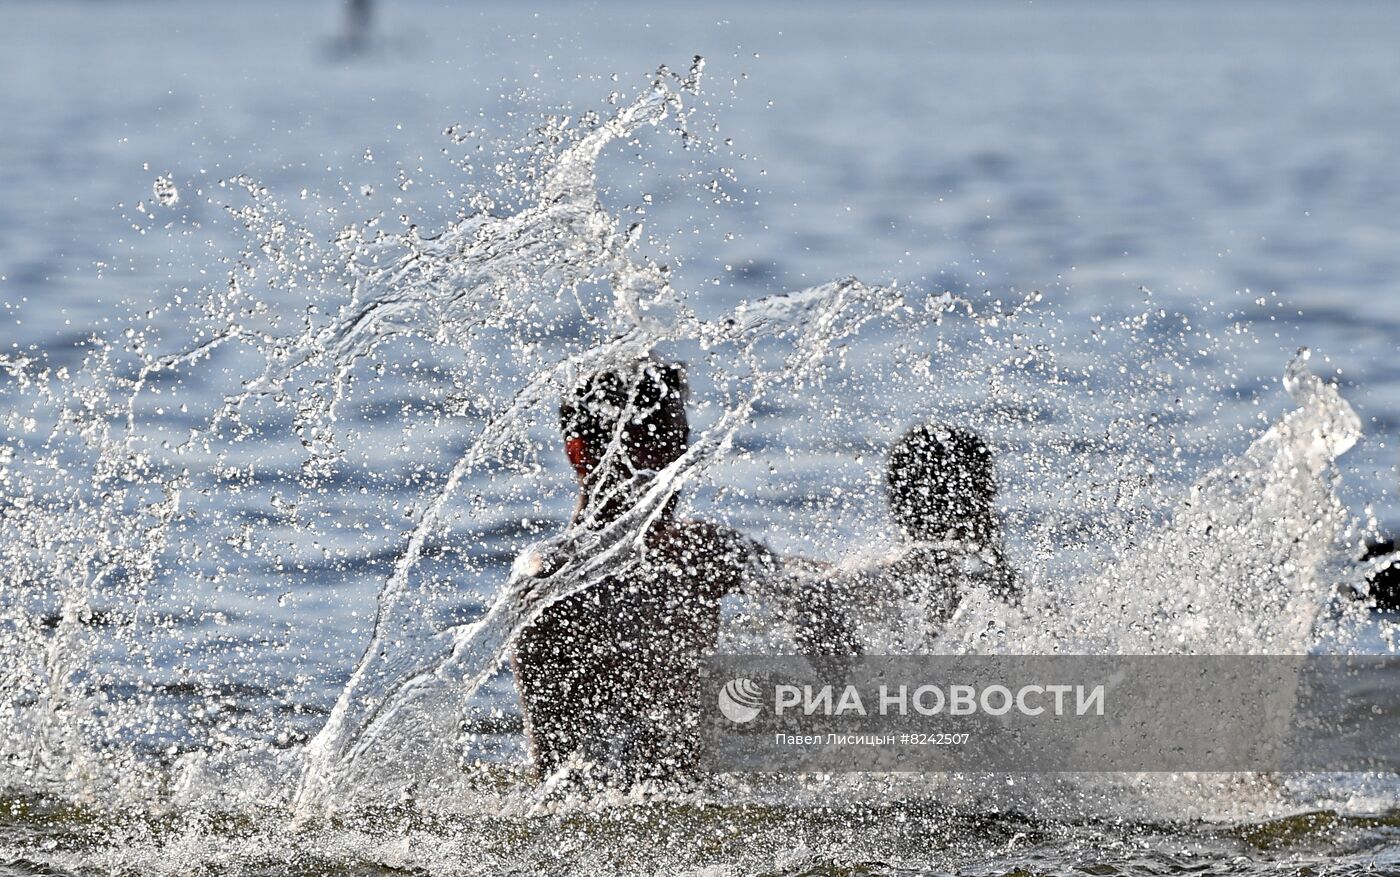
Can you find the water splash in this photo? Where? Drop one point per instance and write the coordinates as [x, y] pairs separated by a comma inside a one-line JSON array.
[[1242, 566], [366, 717], [118, 485], [166, 192]]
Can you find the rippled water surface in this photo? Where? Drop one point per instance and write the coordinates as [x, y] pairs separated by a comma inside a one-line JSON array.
[[282, 323]]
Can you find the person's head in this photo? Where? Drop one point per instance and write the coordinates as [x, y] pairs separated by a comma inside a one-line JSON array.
[[942, 484], [639, 405]]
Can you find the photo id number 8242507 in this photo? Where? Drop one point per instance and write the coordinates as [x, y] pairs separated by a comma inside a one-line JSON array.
[[937, 739]]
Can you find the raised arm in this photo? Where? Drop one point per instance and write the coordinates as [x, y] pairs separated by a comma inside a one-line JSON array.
[[804, 591]]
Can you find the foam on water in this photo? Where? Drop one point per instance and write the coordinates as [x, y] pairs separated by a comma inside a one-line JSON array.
[[109, 504]]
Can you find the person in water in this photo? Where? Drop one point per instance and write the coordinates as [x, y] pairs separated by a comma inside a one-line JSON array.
[[611, 674], [942, 489]]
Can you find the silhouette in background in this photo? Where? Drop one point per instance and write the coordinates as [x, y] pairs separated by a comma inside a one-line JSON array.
[[358, 18], [942, 489]]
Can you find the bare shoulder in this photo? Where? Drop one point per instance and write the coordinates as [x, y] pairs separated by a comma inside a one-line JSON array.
[[708, 539], [721, 554]]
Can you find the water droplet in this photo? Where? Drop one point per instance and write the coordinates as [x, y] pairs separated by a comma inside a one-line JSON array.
[[166, 193]]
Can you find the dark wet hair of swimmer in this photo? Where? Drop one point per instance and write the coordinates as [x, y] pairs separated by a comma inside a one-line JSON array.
[[626, 419], [942, 489], [942, 485]]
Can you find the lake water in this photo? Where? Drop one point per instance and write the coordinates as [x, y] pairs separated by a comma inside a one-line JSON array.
[[1140, 212]]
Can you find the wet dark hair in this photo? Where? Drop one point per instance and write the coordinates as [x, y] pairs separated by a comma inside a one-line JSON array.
[[942, 484], [650, 394]]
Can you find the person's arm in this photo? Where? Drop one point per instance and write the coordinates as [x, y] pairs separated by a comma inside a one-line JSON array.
[[804, 591], [821, 609], [1001, 577]]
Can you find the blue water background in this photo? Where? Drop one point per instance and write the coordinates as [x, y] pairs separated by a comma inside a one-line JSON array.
[[1217, 154]]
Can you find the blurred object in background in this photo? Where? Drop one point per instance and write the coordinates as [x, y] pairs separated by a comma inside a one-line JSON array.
[[357, 39], [357, 22]]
